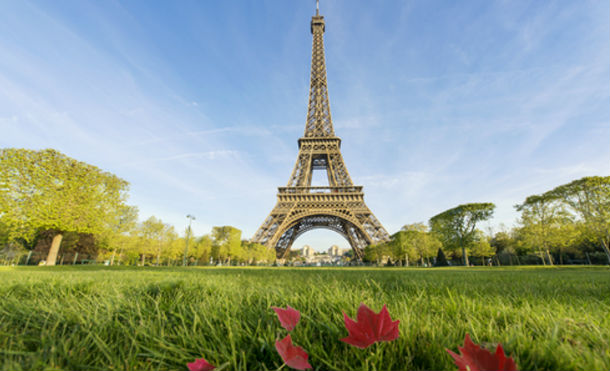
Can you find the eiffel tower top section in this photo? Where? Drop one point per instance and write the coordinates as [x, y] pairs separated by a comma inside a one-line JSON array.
[[319, 123]]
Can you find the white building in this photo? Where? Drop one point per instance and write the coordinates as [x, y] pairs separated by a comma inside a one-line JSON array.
[[335, 251], [307, 251]]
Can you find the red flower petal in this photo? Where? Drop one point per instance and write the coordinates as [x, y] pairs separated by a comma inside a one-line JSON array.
[[474, 358], [293, 356], [200, 365], [370, 328], [288, 317]]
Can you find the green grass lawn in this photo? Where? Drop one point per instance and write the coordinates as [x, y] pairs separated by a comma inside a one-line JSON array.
[[113, 318]]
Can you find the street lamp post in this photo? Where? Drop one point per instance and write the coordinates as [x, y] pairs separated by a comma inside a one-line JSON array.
[[188, 237]]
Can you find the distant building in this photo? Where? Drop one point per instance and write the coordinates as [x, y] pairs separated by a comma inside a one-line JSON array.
[[335, 251], [307, 251], [308, 256]]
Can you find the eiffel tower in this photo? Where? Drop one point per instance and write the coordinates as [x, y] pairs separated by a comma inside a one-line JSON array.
[[340, 206]]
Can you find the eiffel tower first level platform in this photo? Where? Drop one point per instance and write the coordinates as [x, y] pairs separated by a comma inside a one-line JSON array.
[[302, 207]]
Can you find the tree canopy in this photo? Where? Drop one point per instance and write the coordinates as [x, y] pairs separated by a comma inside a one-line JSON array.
[[589, 199], [47, 190], [456, 227], [542, 216]]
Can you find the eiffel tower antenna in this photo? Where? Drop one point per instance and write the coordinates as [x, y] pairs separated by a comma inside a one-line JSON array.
[[302, 207]]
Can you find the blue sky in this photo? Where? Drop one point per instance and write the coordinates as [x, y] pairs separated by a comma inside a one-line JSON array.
[[199, 104]]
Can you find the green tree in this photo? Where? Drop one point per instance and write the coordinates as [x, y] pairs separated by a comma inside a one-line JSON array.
[[589, 198], [456, 227], [256, 253], [226, 243], [12, 252], [46, 190], [568, 240], [156, 237], [426, 245], [173, 253], [502, 242], [413, 243], [541, 217], [402, 246], [130, 247], [168, 238], [376, 253], [202, 249], [418, 227], [125, 223], [441, 260], [481, 248]]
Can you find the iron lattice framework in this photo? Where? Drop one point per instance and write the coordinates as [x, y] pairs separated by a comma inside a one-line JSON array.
[[340, 206]]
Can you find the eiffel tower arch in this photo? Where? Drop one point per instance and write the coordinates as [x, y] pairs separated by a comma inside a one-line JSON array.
[[302, 207]]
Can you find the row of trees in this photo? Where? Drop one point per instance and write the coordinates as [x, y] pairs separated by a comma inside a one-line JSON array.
[[47, 197], [153, 242], [416, 244], [571, 221], [566, 218]]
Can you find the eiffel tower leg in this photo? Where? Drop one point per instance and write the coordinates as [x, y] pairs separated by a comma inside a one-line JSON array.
[[373, 228], [352, 242], [290, 242]]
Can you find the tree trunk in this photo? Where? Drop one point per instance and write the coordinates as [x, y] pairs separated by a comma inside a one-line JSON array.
[[606, 249], [75, 257], [120, 256], [407, 259], [52, 257], [548, 255], [143, 258], [464, 256]]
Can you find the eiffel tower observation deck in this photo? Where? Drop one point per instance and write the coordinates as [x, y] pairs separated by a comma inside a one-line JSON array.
[[302, 207]]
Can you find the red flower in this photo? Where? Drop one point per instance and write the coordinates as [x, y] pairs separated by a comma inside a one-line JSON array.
[[293, 356], [200, 365], [475, 358], [288, 317], [370, 328]]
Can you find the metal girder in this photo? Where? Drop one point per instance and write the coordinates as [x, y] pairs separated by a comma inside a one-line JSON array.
[[340, 206]]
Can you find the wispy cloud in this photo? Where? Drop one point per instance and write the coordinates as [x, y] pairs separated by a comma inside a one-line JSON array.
[[209, 155], [200, 105]]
